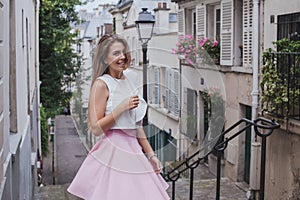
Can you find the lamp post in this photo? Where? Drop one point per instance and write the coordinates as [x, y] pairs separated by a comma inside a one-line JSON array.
[[144, 25]]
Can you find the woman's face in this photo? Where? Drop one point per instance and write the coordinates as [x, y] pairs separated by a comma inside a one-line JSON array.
[[116, 58]]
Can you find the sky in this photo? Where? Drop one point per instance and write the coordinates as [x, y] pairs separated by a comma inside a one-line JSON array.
[[94, 3]]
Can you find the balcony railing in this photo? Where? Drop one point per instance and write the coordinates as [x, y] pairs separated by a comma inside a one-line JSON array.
[[286, 102]]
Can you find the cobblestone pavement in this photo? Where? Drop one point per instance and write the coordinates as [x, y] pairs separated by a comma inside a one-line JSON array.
[[70, 152]]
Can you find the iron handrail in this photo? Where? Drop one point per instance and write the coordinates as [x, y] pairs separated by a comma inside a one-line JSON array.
[[259, 123]]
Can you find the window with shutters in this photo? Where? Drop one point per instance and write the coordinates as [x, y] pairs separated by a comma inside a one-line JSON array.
[[201, 21], [213, 21], [171, 91], [163, 89], [181, 22], [190, 22], [289, 26], [156, 86], [227, 9], [247, 32], [174, 94]]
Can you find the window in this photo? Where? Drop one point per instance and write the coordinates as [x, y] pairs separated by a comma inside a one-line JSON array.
[[191, 22], [213, 21], [194, 21], [173, 17], [217, 22], [171, 91], [163, 90], [191, 119], [289, 26]]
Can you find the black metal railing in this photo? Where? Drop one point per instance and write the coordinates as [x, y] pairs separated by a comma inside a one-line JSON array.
[[287, 65], [192, 162]]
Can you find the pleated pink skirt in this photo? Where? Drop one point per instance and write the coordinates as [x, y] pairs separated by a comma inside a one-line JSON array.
[[117, 169]]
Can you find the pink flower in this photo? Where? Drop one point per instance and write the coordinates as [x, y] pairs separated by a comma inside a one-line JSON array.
[[189, 37], [215, 43], [189, 61]]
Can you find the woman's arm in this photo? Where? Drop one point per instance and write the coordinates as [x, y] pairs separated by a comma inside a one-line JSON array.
[[99, 122], [143, 141]]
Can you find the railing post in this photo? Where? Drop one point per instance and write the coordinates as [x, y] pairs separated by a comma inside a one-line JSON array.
[[173, 190], [260, 123], [219, 155], [191, 183], [263, 168]]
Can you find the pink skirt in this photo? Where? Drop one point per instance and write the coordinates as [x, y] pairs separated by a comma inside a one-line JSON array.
[[117, 169]]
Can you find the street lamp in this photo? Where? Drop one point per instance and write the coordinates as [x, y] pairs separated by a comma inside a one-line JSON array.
[[144, 25]]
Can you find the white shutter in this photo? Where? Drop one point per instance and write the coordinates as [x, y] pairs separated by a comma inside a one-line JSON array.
[[175, 92], [167, 79], [156, 86], [181, 22], [201, 21], [149, 85], [247, 32], [227, 32]]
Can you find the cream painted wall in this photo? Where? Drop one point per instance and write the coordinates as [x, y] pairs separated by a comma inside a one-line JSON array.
[[18, 182], [282, 166], [5, 97], [276, 7], [159, 50]]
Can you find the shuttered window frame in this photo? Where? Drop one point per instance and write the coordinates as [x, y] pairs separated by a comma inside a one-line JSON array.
[[181, 22], [227, 14], [201, 21], [247, 32]]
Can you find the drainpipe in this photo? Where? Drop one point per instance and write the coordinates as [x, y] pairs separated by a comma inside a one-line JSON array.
[[255, 63], [255, 146]]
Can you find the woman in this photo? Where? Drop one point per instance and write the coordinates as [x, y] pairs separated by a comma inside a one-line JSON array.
[[122, 164]]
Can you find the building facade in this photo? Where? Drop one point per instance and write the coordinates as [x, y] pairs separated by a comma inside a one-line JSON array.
[[19, 91], [246, 29]]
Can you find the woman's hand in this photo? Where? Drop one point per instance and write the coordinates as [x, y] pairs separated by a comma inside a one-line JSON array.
[[130, 103], [156, 164]]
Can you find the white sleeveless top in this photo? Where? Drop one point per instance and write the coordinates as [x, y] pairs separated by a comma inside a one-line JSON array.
[[120, 89]]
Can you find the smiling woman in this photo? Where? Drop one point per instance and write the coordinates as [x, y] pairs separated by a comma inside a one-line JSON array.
[[122, 160]]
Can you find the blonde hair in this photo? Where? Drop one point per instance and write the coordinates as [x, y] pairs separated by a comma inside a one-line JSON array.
[[105, 42]]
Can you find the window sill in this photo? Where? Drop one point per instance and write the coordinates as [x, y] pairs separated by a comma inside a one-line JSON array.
[[164, 111], [238, 69]]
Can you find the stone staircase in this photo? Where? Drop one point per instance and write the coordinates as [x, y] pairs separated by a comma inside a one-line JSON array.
[[53, 192]]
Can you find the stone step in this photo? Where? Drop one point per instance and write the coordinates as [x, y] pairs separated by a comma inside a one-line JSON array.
[[203, 189], [53, 192]]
